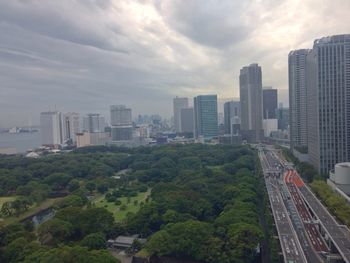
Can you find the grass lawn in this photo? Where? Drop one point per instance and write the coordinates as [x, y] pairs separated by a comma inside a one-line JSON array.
[[215, 167], [31, 211], [4, 199], [131, 207]]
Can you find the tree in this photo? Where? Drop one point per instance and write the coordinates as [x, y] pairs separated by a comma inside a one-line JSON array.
[[6, 209], [72, 200], [58, 181], [91, 186], [24, 190], [94, 241], [17, 250], [102, 188], [72, 254], [54, 231], [182, 240], [20, 204], [95, 219], [73, 185], [243, 240]]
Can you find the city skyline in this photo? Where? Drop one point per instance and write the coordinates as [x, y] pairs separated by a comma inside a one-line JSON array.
[[56, 51]]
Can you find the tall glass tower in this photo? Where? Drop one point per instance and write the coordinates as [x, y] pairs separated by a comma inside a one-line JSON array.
[[329, 102], [250, 84], [297, 75], [205, 116]]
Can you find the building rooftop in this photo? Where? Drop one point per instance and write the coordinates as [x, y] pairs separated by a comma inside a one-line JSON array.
[[345, 164], [333, 39]]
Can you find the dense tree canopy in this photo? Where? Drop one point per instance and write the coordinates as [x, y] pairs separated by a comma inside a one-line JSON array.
[[204, 204]]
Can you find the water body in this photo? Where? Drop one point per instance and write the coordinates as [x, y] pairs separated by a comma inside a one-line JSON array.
[[20, 141]]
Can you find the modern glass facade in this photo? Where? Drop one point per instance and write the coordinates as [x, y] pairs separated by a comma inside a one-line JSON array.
[[269, 103], [205, 116], [297, 74], [232, 115], [329, 130]]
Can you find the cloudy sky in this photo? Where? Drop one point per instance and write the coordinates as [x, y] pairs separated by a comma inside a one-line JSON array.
[[84, 55]]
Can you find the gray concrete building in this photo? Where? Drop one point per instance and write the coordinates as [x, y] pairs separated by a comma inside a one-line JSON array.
[[94, 122], [205, 116], [269, 103], [297, 76], [178, 104], [250, 82], [329, 102], [121, 123], [187, 120], [71, 126], [232, 116]]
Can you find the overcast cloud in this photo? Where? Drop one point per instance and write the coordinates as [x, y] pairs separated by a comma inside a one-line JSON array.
[[84, 55]]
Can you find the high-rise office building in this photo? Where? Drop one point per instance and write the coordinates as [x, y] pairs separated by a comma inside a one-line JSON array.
[[329, 102], [282, 118], [250, 82], [297, 74], [94, 122], [71, 126], [269, 103], [232, 116], [187, 120], [178, 104], [51, 128], [121, 122], [205, 116]]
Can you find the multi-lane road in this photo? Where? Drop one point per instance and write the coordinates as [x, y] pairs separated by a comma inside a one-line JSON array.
[[291, 247], [339, 234], [298, 214], [309, 223]]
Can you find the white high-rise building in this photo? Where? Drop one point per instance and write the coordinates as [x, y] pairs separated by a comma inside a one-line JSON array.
[[250, 82], [178, 104], [71, 126], [51, 128], [121, 121], [329, 102]]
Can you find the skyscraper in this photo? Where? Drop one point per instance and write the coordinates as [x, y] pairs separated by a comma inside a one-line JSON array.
[[232, 115], [121, 123], [94, 122], [71, 126], [269, 103], [187, 121], [282, 117], [329, 102], [51, 128], [250, 82], [178, 104], [297, 74], [205, 116]]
